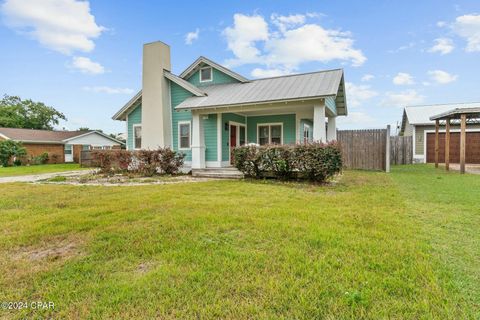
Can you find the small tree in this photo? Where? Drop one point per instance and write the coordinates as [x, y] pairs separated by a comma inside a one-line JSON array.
[[9, 149]]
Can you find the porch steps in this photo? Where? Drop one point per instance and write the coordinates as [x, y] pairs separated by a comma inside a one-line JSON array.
[[223, 173]]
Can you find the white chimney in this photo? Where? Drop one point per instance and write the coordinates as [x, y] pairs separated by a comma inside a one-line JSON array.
[[156, 107]]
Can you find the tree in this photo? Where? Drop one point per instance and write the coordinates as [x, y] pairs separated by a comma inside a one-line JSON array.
[[84, 129], [9, 149], [18, 113]]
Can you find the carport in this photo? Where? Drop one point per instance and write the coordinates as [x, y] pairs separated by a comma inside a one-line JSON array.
[[462, 115]]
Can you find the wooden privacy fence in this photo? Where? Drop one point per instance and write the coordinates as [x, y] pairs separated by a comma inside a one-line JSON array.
[[401, 150], [365, 149], [86, 158]]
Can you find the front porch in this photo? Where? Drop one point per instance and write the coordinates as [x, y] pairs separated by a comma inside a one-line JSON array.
[[216, 131]]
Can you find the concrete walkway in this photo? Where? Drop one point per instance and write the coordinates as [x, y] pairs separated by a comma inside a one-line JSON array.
[[469, 168], [41, 176]]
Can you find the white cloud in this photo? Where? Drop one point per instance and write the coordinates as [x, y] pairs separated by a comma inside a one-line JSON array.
[[61, 25], [108, 90], [468, 27], [288, 42], [442, 77], [402, 79], [367, 77], [443, 46], [403, 48], [265, 73], [244, 34], [441, 24], [357, 119], [402, 99], [358, 94], [85, 65], [192, 36]]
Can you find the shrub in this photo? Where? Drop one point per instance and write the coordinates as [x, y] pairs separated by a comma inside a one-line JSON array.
[[143, 162], [10, 149], [40, 159], [314, 161]]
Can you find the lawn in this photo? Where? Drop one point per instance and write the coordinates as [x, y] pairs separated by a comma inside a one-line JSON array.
[[404, 245], [37, 169]]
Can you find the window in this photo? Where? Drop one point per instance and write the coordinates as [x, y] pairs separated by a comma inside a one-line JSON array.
[[242, 135], [306, 133], [68, 149], [184, 135], [270, 134], [137, 137], [206, 74], [85, 147]]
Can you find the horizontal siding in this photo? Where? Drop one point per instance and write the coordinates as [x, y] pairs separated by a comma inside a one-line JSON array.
[[134, 117], [210, 132], [331, 104], [218, 78], [288, 121]]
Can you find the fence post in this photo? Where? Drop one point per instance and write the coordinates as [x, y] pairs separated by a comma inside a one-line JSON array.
[[387, 151]]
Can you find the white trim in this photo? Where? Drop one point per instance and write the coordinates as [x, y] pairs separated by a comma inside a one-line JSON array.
[[238, 125], [213, 64], [226, 164], [213, 164], [200, 74], [189, 132], [126, 142], [270, 124], [90, 132], [4, 137], [133, 136], [127, 106], [424, 157], [219, 138], [184, 84]]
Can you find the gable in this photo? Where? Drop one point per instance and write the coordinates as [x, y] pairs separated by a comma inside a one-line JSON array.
[[218, 77]]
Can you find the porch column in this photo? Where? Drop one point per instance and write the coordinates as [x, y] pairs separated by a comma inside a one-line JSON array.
[[319, 130], [198, 142], [332, 129]]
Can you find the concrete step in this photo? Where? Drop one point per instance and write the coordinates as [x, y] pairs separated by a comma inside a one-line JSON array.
[[226, 173]]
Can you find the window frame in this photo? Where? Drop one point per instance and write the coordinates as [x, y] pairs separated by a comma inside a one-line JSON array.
[[306, 129], [200, 74], [180, 123], [270, 125], [141, 138]]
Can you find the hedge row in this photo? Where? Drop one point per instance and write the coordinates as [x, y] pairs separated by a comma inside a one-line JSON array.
[[314, 161], [143, 162]]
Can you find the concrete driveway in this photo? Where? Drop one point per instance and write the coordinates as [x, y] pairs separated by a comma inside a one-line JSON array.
[[42, 176]]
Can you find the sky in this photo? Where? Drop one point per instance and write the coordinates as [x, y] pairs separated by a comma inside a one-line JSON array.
[[84, 57]]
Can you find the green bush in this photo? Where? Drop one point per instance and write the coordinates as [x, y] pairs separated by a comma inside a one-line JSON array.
[[9, 150], [314, 161], [40, 159], [143, 162]]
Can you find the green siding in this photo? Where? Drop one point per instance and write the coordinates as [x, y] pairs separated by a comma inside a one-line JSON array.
[[226, 118], [330, 103], [210, 132], [134, 117], [288, 120], [178, 94], [218, 78]]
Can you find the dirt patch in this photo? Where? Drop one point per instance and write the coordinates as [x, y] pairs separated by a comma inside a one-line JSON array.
[[145, 267], [53, 249]]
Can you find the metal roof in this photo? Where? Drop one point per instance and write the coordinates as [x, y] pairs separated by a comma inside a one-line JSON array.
[[290, 87], [473, 112], [418, 115]]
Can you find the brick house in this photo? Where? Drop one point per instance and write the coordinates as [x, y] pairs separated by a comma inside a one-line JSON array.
[[61, 146]]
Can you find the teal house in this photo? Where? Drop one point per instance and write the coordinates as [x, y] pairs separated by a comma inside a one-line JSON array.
[[208, 110]]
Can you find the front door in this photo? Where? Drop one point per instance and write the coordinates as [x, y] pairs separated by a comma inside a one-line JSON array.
[[233, 140], [68, 153]]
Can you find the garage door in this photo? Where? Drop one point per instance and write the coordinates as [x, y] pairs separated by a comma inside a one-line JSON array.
[[472, 154]]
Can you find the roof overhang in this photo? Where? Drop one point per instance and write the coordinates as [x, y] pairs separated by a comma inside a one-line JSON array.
[[93, 132], [184, 84], [122, 113], [472, 113], [201, 61]]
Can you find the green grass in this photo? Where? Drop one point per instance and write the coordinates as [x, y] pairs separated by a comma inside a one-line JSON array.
[[398, 246], [37, 169]]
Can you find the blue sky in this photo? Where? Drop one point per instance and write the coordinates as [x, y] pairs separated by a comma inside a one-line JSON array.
[[84, 58]]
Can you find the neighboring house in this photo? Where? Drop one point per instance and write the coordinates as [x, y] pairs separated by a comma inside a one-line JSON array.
[[61, 146], [416, 122], [208, 109]]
